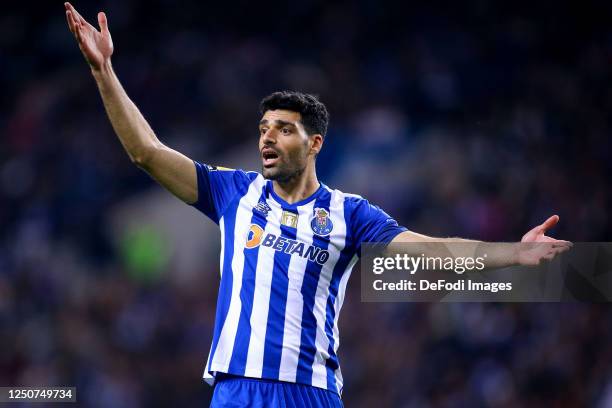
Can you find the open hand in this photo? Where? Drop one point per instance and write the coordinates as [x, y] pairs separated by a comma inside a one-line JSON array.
[[96, 46], [536, 247]]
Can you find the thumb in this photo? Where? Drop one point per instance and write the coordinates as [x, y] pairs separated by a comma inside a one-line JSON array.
[[549, 223], [103, 22]]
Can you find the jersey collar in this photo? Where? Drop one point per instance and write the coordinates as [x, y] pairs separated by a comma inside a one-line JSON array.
[[285, 204]]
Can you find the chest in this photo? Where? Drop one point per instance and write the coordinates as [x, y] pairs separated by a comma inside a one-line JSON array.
[[291, 229]]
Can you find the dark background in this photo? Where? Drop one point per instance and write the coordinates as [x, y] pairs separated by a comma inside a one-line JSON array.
[[475, 120]]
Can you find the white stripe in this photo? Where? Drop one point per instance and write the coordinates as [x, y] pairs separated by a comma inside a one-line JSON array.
[[222, 228], [292, 335], [340, 298], [337, 307], [244, 212], [207, 376], [337, 242], [339, 380], [261, 297]]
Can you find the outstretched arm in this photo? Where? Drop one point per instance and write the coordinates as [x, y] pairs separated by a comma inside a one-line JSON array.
[[171, 169], [498, 254]]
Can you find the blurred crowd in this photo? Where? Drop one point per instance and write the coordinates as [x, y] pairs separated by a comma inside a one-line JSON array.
[[477, 120]]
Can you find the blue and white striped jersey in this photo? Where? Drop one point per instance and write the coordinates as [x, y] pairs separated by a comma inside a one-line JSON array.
[[284, 270]]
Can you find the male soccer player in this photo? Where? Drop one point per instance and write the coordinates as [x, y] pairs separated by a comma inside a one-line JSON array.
[[288, 242]]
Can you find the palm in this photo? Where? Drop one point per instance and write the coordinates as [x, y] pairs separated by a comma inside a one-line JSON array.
[[536, 246], [96, 46]]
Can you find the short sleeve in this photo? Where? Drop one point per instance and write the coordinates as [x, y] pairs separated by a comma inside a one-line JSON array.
[[369, 223], [217, 187]]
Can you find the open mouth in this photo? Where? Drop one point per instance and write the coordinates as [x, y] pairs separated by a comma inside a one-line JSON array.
[[270, 157]]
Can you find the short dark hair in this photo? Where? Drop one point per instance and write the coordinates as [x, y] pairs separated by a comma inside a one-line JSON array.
[[314, 114]]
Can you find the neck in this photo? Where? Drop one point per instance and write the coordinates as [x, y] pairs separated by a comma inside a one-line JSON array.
[[298, 188]]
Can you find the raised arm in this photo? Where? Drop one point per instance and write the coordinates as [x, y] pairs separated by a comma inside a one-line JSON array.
[[535, 246], [171, 169]]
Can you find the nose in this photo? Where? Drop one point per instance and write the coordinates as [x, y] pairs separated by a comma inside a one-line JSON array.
[[269, 137]]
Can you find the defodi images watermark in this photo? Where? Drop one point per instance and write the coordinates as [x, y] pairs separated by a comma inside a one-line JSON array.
[[491, 272]]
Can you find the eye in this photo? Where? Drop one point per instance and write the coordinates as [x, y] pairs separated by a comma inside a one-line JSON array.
[[286, 131], [263, 130]]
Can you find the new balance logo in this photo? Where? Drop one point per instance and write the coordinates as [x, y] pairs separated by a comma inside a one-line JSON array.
[[263, 208]]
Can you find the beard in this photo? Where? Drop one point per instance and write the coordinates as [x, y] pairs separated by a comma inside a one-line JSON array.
[[285, 171], [282, 175]]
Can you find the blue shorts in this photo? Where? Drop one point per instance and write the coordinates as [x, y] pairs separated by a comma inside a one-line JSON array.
[[235, 391]]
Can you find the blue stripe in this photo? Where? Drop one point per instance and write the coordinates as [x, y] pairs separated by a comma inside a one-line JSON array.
[[247, 292], [225, 288], [309, 289], [346, 255], [276, 314]]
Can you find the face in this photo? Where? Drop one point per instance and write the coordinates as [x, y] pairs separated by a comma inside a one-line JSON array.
[[284, 145]]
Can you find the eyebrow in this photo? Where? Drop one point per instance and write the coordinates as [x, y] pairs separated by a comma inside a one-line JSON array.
[[278, 122]]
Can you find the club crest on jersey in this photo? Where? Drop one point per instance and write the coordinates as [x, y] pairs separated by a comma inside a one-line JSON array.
[[321, 224]]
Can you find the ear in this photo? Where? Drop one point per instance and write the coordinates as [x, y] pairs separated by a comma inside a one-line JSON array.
[[316, 143]]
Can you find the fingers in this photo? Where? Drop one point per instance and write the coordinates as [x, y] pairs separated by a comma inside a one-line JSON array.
[[72, 11], [73, 24], [76, 14], [103, 22], [559, 249], [79, 34], [80, 20], [70, 21], [550, 255], [562, 244], [557, 245], [73, 18]]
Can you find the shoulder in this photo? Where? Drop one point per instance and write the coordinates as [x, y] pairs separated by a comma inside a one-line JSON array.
[[228, 175], [347, 198], [227, 170], [350, 202]]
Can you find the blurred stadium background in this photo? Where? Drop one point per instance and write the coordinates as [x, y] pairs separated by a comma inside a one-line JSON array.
[[475, 120]]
